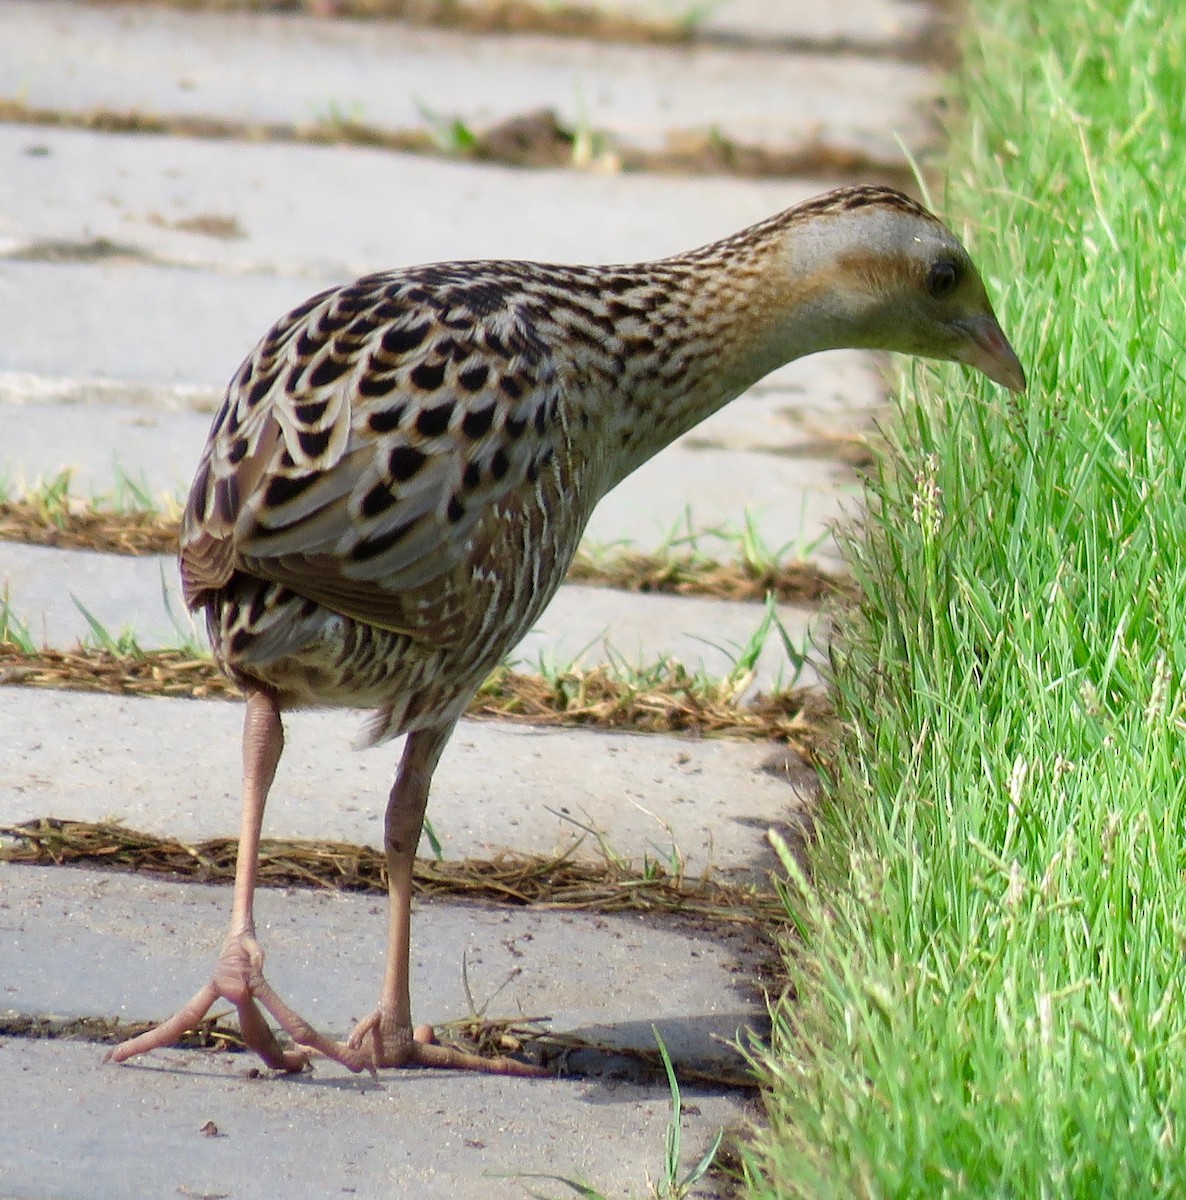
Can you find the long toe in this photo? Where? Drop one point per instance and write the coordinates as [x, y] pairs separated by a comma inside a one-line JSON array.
[[255, 1031], [388, 1044], [238, 978]]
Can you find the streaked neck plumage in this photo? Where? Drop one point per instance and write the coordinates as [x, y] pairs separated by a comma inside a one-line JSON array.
[[667, 343]]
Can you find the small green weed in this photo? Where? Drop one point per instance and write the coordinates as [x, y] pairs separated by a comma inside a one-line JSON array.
[[450, 135], [675, 1183]]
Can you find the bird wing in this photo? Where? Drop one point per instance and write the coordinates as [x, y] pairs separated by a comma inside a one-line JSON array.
[[364, 440]]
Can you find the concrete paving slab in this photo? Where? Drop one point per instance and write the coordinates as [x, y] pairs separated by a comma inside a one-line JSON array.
[[139, 324], [207, 64], [793, 499], [102, 445], [341, 211], [147, 187], [72, 1127], [171, 767], [48, 589], [79, 943], [871, 26], [125, 331], [768, 453], [793, 505]]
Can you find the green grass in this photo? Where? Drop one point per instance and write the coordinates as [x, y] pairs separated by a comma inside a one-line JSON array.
[[55, 498], [988, 986]]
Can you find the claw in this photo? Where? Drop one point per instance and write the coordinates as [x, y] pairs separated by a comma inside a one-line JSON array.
[[394, 1045], [238, 978]]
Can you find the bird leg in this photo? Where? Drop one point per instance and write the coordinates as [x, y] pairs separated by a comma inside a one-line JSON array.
[[238, 975], [386, 1034]]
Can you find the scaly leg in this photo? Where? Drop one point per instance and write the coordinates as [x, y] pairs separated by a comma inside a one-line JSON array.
[[386, 1035], [238, 975]]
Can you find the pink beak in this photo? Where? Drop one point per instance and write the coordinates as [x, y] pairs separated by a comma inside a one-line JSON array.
[[988, 350]]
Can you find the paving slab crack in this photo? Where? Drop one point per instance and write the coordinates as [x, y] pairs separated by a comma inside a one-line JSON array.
[[52, 518], [559, 882], [538, 138], [84, 250], [26, 389], [567, 1054], [667, 700]]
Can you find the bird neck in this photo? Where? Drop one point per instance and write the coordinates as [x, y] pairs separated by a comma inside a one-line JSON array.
[[690, 333]]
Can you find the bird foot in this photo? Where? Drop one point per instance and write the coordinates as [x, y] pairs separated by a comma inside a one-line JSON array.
[[239, 978], [389, 1044]]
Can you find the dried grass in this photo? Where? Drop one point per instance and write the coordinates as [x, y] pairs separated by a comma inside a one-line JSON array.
[[519, 880], [177, 673], [99, 530], [136, 533], [489, 1037], [675, 702], [693, 575], [536, 139]]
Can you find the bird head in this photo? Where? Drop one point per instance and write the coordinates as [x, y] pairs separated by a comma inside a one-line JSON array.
[[877, 270]]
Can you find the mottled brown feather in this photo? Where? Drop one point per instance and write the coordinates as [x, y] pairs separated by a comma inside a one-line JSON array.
[[403, 467]]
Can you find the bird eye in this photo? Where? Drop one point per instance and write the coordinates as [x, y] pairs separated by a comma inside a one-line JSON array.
[[942, 279]]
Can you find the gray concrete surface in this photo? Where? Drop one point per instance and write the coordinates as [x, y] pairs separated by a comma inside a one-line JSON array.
[[248, 206], [171, 767], [73, 1128], [82, 943], [277, 68], [871, 26]]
